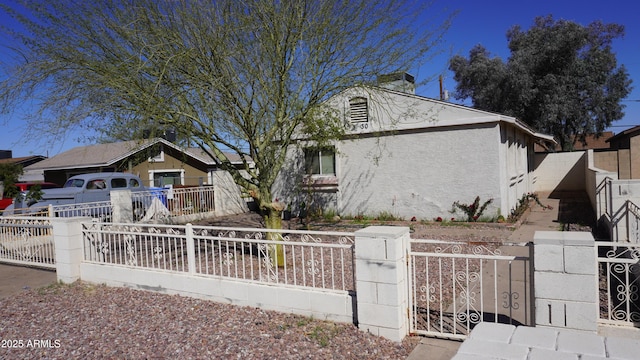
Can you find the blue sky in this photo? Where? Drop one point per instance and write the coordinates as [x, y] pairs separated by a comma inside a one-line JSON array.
[[478, 22]]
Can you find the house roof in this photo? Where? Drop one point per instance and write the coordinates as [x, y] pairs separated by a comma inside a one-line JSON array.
[[591, 142], [23, 160], [627, 133], [413, 112], [110, 153]]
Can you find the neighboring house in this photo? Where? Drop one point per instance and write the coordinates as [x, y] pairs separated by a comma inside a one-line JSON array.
[[623, 156], [157, 162], [591, 142], [407, 155], [6, 157]]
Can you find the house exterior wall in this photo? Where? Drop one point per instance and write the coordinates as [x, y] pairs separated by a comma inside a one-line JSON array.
[[624, 164], [191, 174], [410, 174], [515, 166], [412, 156], [420, 174], [634, 157]]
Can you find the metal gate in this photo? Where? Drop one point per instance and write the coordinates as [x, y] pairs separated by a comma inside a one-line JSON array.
[[27, 241], [453, 286]]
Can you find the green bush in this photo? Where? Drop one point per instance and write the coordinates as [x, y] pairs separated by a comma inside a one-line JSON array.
[[473, 211]]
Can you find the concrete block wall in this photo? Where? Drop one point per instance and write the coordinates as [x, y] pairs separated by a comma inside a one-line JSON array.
[[560, 171], [624, 164], [606, 160], [566, 280], [381, 273]]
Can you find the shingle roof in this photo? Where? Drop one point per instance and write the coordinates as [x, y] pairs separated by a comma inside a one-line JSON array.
[[22, 160], [110, 153]]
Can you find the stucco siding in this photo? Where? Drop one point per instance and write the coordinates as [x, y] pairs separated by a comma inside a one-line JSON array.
[[413, 157], [169, 163], [419, 174]]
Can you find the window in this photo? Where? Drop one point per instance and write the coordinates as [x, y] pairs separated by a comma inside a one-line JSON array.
[[320, 161], [359, 110], [157, 155], [167, 177], [134, 183], [97, 184], [118, 183]]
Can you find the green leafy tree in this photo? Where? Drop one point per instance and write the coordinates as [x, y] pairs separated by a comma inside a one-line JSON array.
[[562, 78], [9, 175], [230, 76]]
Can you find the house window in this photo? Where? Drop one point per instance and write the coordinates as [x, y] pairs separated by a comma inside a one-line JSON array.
[[166, 177], [158, 155], [359, 110], [320, 161]]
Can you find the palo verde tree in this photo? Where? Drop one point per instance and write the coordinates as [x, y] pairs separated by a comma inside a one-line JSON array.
[[230, 76], [562, 78]]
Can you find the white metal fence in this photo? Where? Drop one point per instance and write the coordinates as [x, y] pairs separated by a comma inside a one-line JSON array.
[[312, 259], [27, 241], [176, 202], [619, 290], [146, 205], [456, 285]]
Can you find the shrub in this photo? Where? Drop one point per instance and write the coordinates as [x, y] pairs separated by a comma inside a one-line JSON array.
[[523, 205], [473, 211]]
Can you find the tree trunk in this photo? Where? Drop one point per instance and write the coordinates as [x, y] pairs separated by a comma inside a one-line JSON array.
[[273, 220]]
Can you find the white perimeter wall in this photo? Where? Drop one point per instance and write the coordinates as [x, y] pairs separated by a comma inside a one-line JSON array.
[[317, 304], [560, 171]]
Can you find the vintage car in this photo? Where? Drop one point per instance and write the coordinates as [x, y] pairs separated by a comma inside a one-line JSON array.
[[83, 189]]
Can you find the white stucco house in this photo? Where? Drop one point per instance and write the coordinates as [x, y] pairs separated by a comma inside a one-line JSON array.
[[410, 156]]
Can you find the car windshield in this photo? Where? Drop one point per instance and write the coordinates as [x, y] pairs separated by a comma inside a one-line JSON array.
[[74, 183]]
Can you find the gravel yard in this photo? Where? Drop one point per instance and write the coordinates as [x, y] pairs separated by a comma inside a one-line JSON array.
[[82, 321]]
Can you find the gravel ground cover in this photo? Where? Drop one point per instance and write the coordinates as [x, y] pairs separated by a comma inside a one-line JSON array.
[[83, 321]]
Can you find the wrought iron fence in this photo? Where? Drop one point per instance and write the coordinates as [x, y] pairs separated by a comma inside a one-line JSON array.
[[320, 260], [176, 201], [456, 285], [27, 241], [619, 286], [146, 205], [98, 210]]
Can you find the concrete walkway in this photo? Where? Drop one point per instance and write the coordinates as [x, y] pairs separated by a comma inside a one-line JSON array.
[[557, 206], [501, 341], [15, 279]]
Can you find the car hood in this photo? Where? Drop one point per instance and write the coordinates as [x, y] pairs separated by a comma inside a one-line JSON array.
[[62, 193]]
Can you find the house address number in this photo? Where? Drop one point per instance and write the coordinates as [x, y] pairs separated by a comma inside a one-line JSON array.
[[361, 126]]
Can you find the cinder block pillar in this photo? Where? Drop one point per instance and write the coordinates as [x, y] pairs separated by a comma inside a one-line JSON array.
[[566, 280], [67, 236], [381, 281], [122, 206]]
